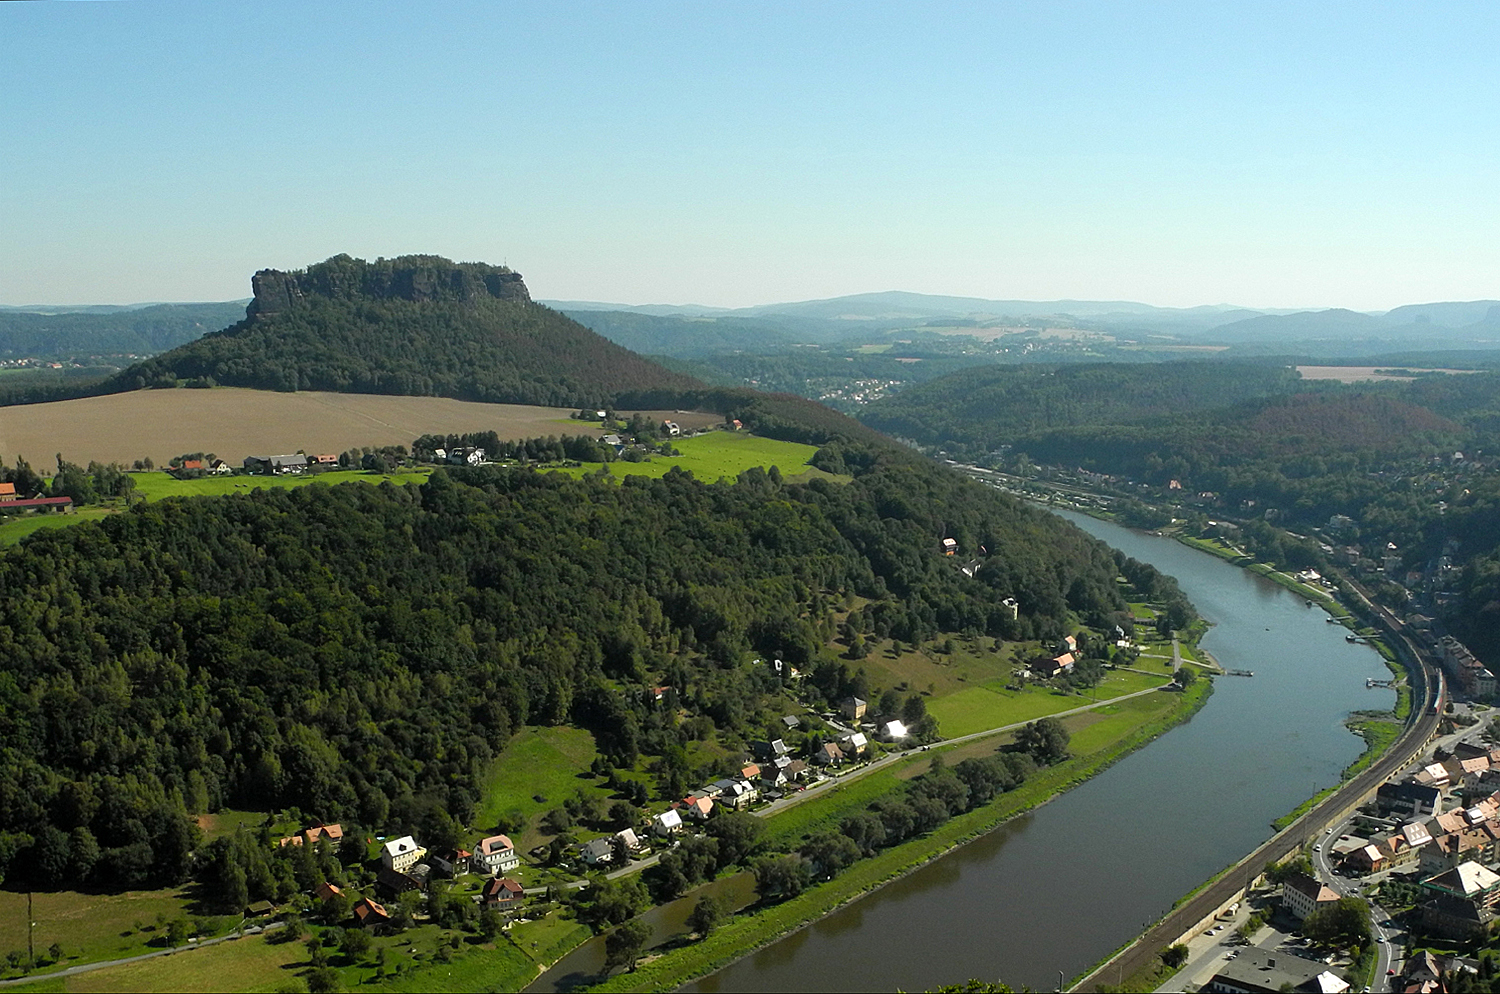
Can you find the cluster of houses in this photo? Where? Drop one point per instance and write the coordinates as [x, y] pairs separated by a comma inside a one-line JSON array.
[[1441, 825], [407, 865], [1467, 671], [291, 465], [11, 501]]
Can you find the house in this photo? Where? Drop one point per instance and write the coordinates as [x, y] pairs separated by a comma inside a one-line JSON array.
[[370, 914], [502, 894], [1068, 646], [633, 843], [496, 854], [190, 469], [853, 709], [454, 862], [326, 891], [310, 836], [735, 424], [401, 854], [738, 795], [950, 547], [750, 771], [394, 883], [597, 852], [1407, 800], [699, 807], [1456, 918], [1468, 881], [855, 744], [796, 771], [220, 468], [667, 824], [1257, 970], [829, 754], [7, 491], [792, 722], [1301, 895], [1058, 665], [672, 427], [893, 731], [275, 465]]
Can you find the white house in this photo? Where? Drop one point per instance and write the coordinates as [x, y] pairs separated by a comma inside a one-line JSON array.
[[402, 854], [667, 823], [893, 730], [495, 854]]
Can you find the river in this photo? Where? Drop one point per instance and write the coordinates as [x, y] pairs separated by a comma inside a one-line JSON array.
[[1053, 892]]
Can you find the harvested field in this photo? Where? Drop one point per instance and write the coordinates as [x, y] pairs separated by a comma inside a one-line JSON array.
[[233, 423], [1361, 374]]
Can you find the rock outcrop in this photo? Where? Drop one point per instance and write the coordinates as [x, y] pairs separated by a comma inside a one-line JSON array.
[[407, 277]]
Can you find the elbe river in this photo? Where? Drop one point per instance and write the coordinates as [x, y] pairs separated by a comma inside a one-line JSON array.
[[1055, 891]]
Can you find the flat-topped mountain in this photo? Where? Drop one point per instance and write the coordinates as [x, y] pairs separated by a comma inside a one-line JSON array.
[[414, 325]]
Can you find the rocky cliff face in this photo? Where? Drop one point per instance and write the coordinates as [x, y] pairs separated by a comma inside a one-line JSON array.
[[408, 277]]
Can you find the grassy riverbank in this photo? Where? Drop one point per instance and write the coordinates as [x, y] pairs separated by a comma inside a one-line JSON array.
[[750, 931]]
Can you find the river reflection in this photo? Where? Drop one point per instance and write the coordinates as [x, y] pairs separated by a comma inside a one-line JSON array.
[[1058, 889]]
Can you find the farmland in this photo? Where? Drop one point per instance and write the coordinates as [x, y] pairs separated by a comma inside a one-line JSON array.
[[234, 423]]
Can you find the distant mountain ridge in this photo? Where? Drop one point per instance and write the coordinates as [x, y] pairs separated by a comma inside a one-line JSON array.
[[415, 325]]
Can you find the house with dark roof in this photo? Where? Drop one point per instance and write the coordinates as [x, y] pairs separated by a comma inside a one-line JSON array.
[[1260, 971], [502, 894]]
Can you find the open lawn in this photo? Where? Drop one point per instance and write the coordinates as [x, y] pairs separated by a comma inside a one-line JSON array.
[[247, 964], [539, 769], [547, 939], [937, 673], [89, 927], [991, 705], [718, 454], [155, 486], [13, 529]]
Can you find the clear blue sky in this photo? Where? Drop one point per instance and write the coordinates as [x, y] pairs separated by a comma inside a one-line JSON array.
[[1179, 154]]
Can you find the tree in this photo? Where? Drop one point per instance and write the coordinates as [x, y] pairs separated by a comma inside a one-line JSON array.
[[1185, 676], [178, 931], [1046, 741], [706, 915], [355, 944], [738, 834], [491, 924], [623, 946], [1345, 924], [782, 876], [324, 980]]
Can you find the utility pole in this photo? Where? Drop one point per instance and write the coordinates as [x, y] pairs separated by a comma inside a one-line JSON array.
[[30, 941]]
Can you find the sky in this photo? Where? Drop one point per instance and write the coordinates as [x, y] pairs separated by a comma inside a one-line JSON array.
[[1271, 155]]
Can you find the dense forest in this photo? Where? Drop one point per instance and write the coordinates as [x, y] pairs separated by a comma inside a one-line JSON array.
[[364, 652], [416, 326], [141, 330], [1409, 464]]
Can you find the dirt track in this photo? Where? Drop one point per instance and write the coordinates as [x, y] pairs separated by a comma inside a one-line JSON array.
[[233, 423]]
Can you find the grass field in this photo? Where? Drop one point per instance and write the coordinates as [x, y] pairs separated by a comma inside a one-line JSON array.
[[991, 705], [538, 763], [15, 529], [155, 486], [718, 454], [89, 927], [247, 964]]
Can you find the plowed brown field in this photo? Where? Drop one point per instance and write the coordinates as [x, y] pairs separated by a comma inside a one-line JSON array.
[[233, 423]]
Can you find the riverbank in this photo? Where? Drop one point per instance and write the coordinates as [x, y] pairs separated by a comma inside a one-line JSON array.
[[748, 932]]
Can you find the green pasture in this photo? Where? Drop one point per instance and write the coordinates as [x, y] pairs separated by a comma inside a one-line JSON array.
[[717, 454], [547, 763], [991, 705], [154, 486]]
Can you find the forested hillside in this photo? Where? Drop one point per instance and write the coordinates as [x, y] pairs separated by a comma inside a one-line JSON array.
[[417, 325], [138, 330], [364, 652]]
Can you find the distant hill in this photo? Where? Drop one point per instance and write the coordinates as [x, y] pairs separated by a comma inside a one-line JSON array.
[[413, 326], [45, 331]]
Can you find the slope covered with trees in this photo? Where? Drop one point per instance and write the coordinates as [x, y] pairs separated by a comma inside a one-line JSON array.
[[364, 652], [416, 326]]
